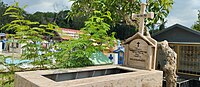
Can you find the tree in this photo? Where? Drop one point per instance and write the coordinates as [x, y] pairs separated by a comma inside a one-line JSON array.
[[123, 31], [3, 19], [43, 17], [196, 26], [76, 52], [61, 19], [121, 9], [58, 18], [28, 33]]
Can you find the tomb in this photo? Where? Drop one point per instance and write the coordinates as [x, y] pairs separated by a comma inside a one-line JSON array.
[[95, 76]]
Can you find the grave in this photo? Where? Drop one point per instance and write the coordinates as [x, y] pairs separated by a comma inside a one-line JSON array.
[[141, 49], [95, 76], [140, 54], [120, 53]]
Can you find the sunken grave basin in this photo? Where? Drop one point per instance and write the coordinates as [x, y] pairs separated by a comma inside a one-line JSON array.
[[95, 76]]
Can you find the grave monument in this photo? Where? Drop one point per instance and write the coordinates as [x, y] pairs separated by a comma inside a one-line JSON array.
[[140, 49], [140, 59]]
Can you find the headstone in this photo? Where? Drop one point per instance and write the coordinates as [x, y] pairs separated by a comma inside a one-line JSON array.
[[140, 50]]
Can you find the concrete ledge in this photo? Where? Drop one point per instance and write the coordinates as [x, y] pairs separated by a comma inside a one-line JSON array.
[[137, 78]]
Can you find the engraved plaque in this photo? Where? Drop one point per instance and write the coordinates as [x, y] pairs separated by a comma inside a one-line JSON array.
[[138, 53]]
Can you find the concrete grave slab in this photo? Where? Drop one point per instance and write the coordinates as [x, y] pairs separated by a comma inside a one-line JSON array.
[[127, 77]]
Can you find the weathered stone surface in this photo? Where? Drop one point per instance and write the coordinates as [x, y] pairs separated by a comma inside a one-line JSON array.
[[140, 52], [138, 78], [142, 16], [170, 67]]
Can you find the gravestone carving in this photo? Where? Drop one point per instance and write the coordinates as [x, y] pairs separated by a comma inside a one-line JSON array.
[[140, 49], [170, 67], [138, 52]]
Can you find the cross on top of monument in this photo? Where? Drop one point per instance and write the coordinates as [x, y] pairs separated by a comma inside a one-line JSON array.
[[142, 15]]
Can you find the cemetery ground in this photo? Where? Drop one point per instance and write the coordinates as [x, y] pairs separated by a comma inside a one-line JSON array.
[[140, 56]]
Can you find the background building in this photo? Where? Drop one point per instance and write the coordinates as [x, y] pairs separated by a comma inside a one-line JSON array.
[[66, 34], [186, 43]]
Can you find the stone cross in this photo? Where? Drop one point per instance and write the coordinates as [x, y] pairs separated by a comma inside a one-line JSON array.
[[142, 16]]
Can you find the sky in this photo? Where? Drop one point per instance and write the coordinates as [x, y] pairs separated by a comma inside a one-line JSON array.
[[183, 12], [42, 5]]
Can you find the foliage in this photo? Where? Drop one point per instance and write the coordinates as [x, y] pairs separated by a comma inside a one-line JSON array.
[[73, 53], [61, 20], [94, 38], [120, 9], [52, 17], [196, 26], [76, 22], [6, 19], [123, 31], [28, 33], [6, 79], [42, 17], [3, 19]]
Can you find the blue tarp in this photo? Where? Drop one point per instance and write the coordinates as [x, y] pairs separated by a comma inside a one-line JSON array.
[[17, 61]]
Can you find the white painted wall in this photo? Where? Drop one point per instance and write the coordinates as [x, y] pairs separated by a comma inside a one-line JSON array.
[[115, 57]]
